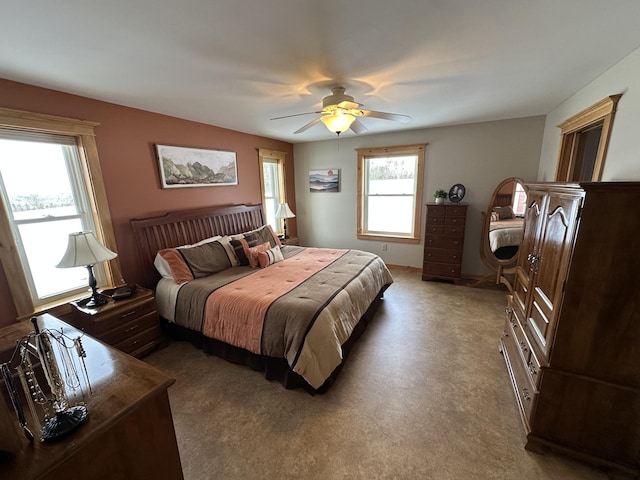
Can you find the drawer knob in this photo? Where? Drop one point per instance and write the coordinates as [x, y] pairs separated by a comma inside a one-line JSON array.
[[523, 346], [525, 393], [132, 328], [128, 314], [532, 369]]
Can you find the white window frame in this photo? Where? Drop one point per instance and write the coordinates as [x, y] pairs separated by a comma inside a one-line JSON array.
[[89, 163], [366, 153], [278, 158]]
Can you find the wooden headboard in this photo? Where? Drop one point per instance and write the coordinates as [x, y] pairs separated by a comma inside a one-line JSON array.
[[189, 226]]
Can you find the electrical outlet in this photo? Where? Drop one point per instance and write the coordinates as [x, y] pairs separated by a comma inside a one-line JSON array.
[[384, 247]]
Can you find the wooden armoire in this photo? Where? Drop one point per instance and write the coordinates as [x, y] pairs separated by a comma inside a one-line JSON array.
[[572, 337]]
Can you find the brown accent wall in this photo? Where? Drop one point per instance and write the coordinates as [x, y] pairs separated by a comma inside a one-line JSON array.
[[125, 139]]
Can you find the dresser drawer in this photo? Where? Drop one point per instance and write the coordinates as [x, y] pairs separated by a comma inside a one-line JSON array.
[[456, 211], [454, 221], [442, 256], [435, 220], [454, 230], [441, 270], [530, 362], [454, 243], [119, 316], [526, 393], [140, 341], [436, 210], [435, 229], [130, 328]]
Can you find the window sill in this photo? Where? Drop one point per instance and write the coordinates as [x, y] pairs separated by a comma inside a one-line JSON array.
[[388, 238], [59, 308]]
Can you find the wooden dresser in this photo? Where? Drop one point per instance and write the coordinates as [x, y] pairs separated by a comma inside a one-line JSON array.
[[131, 325], [443, 241], [572, 336], [129, 432]]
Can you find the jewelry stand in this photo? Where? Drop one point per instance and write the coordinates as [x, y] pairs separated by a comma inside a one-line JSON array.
[[67, 419]]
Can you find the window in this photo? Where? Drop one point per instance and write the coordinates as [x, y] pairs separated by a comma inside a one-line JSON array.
[[519, 200], [390, 193], [272, 181], [50, 186], [585, 138]]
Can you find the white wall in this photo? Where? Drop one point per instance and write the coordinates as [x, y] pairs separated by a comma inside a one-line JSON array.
[[477, 155], [623, 157]]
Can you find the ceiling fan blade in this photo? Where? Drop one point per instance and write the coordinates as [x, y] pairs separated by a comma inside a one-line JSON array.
[[308, 125], [295, 115], [358, 127], [386, 116]]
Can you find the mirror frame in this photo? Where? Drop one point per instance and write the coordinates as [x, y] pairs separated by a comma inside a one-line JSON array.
[[501, 267]]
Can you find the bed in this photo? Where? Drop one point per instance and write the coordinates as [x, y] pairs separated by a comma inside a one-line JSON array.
[[505, 232], [225, 282]]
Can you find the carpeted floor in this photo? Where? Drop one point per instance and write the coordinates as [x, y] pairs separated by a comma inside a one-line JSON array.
[[424, 395]]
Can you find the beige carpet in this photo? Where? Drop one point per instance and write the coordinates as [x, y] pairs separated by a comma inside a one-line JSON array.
[[424, 395]]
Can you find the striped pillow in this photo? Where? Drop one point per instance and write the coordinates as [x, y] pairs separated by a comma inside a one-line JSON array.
[[269, 257]]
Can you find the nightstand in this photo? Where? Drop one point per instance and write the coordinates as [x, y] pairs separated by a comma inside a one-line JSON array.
[[290, 241], [131, 324]]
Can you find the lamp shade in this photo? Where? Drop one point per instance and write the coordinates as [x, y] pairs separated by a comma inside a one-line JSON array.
[[84, 249], [284, 211], [338, 121]]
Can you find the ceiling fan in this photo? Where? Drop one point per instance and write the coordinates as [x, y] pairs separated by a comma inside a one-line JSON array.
[[339, 112]]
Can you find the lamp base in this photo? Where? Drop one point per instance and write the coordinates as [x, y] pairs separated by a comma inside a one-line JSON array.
[[63, 423], [96, 300]]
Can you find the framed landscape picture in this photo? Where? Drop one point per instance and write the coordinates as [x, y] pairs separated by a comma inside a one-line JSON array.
[[324, 180], [196, 167]]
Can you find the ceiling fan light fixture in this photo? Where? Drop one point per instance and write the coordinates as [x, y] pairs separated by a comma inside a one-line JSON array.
[[338, 121]]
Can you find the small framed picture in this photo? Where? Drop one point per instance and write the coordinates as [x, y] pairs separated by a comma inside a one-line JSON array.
[[324, 180]]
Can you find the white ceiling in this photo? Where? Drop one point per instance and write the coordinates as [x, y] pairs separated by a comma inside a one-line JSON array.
[[238, 63]]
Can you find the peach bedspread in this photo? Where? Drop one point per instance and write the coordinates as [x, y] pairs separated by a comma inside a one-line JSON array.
[[235, 313], [302, 309]]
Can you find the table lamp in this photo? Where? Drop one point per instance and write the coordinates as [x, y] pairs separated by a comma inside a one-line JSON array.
[[84, 250], [284, 212]]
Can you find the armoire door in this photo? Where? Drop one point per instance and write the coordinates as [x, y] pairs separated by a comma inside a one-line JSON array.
[[526, 264], [550, 267]]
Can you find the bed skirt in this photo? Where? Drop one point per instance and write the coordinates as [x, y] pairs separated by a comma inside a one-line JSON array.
[[273, 368]]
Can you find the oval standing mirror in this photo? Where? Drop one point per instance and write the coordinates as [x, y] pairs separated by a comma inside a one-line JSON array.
[[502, 229]]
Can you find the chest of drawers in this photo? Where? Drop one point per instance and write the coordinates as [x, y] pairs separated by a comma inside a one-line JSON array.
[[444, 241], [131, 325]]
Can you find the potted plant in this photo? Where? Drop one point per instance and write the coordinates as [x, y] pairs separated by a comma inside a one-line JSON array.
[[440, 196]]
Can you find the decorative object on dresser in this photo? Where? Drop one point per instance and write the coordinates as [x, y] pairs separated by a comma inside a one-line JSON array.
[[443, 242], [439, 196], [283, 213], [84, 250], [129, 432], [456, 193], [130, 324], [573, 323], [64, 382]]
